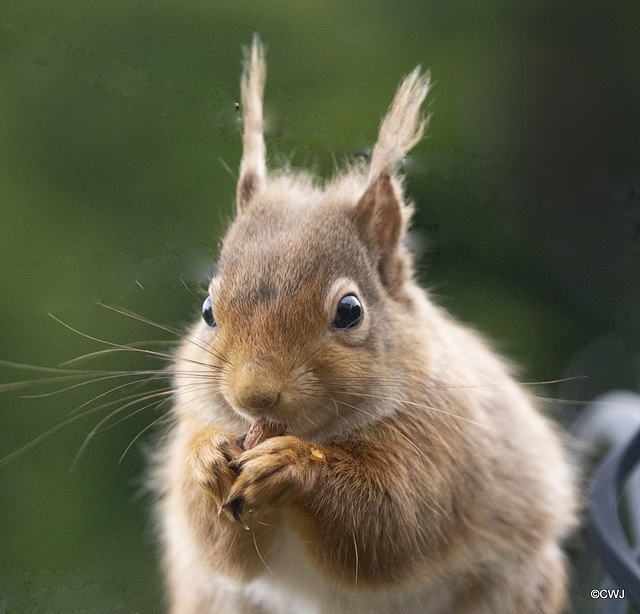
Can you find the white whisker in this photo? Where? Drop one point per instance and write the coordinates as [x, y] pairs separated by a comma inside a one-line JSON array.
[[133, 347], [186, 337], [144, 430]]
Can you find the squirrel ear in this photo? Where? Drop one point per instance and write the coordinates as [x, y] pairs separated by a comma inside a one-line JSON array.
[[253, 166], [380, 214], [379, 218]]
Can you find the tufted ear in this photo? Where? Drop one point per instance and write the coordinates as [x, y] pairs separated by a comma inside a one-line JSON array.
[[380, 220], [402, 127], [253, 166], [381, 215]]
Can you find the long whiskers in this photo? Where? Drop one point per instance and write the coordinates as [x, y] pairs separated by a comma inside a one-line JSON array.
[[144, 430], [152, 373], [196, 376], [401, 434], [98, 427], [124, 347], [405, 379], [255, 543], [74, 418], [415, 404], [187, 337], [313, 353], [132, 347], [158, 396], [112, 375]]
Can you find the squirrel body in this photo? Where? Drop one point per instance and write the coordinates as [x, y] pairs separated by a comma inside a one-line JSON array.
[[415, 474]]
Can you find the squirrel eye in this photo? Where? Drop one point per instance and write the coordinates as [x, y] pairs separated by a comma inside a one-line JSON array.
[[348, 312], [207, 313]]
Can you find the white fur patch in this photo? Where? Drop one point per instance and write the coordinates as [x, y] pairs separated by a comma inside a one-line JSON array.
[[292, 584]]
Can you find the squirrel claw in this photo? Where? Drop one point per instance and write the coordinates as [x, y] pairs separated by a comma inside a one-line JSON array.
[[233, 509], [236, 505]]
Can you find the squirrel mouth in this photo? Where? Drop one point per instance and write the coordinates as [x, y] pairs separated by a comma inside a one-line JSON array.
[[260, 431]]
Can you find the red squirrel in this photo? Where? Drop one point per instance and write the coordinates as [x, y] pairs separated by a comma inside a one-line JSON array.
[[393, 463]]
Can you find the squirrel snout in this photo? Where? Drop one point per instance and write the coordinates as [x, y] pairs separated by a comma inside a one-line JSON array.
[[254, 389], [251, 398]]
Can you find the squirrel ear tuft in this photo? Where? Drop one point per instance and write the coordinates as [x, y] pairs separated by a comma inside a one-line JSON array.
[[403, 125], [253, 166], [380, 220], [381, 214]]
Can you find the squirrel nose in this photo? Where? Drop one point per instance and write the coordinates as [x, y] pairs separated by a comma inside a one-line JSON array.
[[252, 398], [254, 387]]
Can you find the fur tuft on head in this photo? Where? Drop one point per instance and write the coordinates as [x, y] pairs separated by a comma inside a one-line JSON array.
[[403, 126], [253, 166]]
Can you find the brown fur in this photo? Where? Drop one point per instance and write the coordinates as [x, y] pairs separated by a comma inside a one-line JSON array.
[[438, 487]]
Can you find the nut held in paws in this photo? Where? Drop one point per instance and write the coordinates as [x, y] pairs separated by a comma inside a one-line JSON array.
[[260, 431]]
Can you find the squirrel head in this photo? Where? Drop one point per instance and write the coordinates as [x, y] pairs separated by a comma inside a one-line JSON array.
[[304, 313]]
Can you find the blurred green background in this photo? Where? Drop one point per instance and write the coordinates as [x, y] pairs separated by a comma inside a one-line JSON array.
[[118, 146]]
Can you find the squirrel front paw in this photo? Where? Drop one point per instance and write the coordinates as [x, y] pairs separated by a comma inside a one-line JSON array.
[[209, 459], [275, 471]]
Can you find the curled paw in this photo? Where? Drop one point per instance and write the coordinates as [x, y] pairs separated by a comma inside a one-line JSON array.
[[209, 461], [273, 472]]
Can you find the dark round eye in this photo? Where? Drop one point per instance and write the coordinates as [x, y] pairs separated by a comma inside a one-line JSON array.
[[348, 312], [207, 313]]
